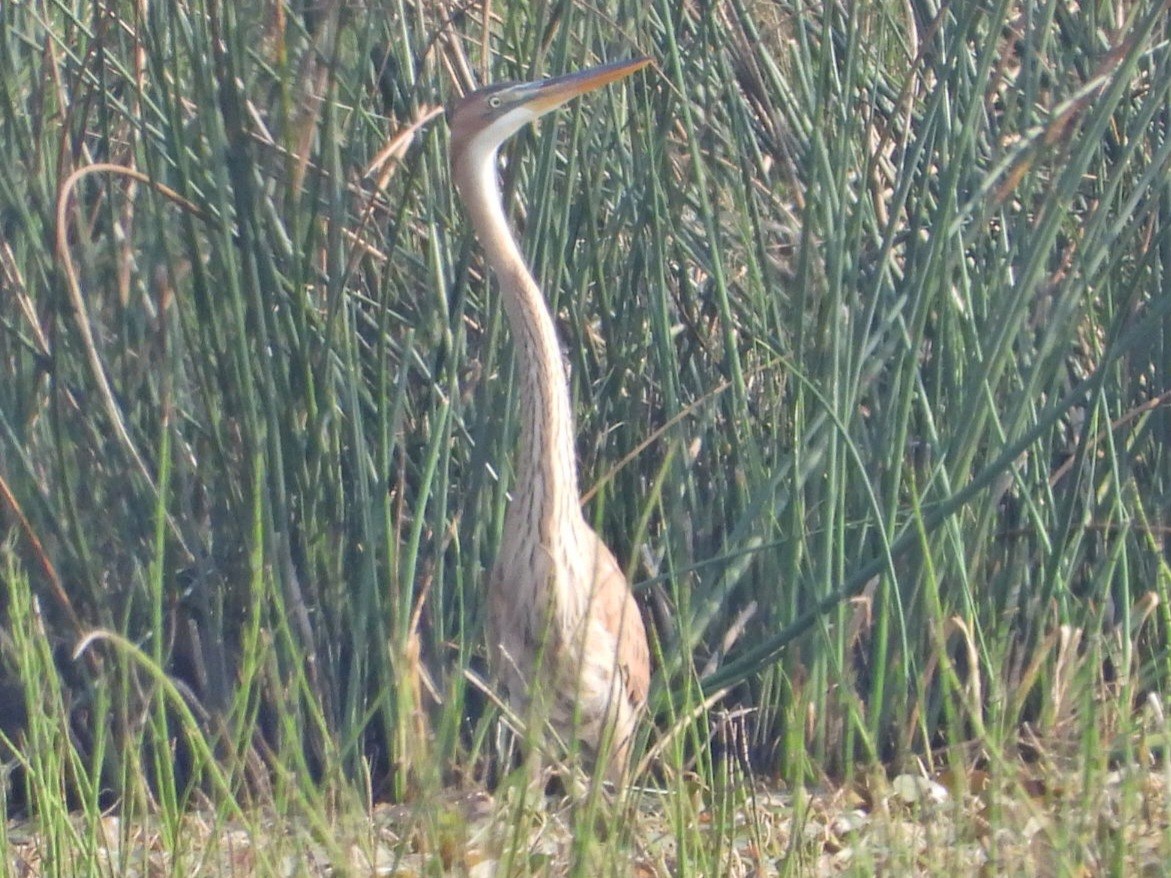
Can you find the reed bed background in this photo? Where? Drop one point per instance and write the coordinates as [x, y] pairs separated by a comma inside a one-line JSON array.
[[866, 315]]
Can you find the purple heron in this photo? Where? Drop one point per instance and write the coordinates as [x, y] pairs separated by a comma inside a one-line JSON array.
[[565, 638]]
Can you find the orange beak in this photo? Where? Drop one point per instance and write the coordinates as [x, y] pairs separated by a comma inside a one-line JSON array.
[[550, 93]]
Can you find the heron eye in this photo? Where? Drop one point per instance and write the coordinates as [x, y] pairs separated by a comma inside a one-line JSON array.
[[494, 102]]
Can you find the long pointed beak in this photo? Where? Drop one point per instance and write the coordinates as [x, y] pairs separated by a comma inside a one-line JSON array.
[[550, 93]]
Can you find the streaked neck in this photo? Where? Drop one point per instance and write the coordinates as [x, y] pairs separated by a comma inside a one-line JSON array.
[[546, 490]]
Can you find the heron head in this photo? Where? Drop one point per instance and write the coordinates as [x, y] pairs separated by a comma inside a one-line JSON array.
[[487, 117]]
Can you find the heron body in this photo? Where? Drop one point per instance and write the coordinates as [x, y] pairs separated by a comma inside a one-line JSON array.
[[566, 640]]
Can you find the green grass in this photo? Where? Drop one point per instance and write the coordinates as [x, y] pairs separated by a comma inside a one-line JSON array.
[[868, 330]]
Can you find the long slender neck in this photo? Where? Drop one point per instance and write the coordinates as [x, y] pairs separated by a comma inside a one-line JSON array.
[[546, 490]]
